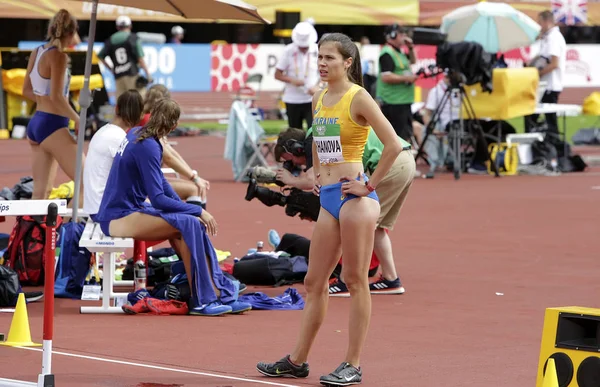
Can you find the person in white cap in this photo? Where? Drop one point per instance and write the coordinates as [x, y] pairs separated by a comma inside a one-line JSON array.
[[127, 56], [177, 33], [297, 68]]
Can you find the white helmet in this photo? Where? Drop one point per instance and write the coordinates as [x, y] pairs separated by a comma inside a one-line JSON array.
[[177, 30], [123, 21]]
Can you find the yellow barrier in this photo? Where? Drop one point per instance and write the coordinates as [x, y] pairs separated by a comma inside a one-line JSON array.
[[591, 104], [18, 106], [13, 79], [514, 94], [506, 158]]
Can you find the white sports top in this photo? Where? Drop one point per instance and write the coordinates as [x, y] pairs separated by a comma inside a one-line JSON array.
[[41, 85]]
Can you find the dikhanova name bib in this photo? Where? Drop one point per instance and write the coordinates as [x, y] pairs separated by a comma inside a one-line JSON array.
[[326, 135]]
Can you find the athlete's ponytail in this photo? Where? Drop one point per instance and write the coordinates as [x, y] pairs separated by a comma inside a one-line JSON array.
[[163, 120], [355, 70], [62, 25], [348, 49]]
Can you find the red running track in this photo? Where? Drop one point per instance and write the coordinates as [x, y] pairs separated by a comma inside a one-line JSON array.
[[458, 244]]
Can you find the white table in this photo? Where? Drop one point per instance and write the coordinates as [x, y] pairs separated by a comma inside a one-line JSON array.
[[565, 109]]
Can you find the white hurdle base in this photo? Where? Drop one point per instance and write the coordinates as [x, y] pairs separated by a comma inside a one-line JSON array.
[[96, 242], [15, 383], [108, 281], [100, 309]]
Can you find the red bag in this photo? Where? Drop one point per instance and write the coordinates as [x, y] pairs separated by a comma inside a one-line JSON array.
[[25, 251]]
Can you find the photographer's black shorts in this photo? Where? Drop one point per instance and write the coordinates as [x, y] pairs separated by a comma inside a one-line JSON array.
[[400, 116], [299, 112]]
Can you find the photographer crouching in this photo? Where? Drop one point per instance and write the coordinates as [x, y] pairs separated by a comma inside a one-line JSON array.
[[294, 146]]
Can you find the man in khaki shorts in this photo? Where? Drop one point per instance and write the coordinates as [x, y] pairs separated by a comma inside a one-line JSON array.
[[392, 192], [296, 146]]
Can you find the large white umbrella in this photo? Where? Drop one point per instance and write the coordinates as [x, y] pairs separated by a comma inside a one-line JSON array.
[[189, 9], [498, 27]]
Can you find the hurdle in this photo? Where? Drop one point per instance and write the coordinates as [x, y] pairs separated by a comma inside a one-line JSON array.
[[51, 209]]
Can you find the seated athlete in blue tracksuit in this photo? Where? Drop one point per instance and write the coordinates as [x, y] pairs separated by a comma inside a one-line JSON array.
[[124, 212]]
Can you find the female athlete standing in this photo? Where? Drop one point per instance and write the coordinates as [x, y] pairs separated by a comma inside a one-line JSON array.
[[344, 113], [47, 83]]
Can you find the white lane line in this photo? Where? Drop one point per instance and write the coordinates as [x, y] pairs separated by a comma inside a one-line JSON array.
[[155, 367]]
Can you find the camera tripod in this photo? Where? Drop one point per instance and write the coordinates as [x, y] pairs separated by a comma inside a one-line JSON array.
[[457, 132]]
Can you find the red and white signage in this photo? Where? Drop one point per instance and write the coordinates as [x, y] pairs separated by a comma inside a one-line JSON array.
[[233, 63]]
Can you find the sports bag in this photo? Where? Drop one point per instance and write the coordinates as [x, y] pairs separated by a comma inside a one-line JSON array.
[[25, 251], [263, 269]]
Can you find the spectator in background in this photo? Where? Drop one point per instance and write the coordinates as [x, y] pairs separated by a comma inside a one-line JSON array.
[[368, 67], [127, 56], [551, 63], [396, 81], [297, 68], [436, 147], [177, 33]]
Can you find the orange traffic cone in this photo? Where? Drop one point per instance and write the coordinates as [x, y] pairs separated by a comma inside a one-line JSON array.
[[550, 377], [19, 334]]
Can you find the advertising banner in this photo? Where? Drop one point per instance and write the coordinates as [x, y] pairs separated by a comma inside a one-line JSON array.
[[203, 68], [182, 68], [232, 64]]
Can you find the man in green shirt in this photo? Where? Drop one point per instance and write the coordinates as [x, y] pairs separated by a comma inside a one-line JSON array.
[[396, 81], [296, 146], [127, 56]]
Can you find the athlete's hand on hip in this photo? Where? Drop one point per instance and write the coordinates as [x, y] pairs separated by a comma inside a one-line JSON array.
[[353, 186], [317, 186], [211, 224]]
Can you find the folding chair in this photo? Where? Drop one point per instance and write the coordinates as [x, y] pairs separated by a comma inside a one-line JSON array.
[[252, 78], [241, 111], [249, 95]]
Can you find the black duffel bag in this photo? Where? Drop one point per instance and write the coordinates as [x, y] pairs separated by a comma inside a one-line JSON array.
[[10, 287]]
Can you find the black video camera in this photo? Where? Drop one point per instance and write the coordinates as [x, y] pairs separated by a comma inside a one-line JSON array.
[[468, 60], [267, 175], [295, 202]]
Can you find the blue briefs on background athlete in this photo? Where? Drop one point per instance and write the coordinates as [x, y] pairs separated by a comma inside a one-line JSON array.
[[104, 225], [332, 198], [43, 124]]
